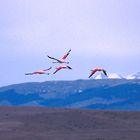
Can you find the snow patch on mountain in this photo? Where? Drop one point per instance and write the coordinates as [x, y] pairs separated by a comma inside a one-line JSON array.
[[110, 76], [114, 76], [100, 76], [135, 75]]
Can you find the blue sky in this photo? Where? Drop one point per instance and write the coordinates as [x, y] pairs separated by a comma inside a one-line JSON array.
[[101, 33]]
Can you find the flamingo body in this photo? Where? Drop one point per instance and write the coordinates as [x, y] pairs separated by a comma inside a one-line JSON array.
[[61, 60], [62, 67], [97, 69], [39, 72]]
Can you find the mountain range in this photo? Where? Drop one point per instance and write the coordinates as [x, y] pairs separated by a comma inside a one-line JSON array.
[[110, 94], [135, 75]]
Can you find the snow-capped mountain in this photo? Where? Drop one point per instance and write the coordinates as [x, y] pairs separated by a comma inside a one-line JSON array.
[[100, 76], [110, 76], [114, 76], [134, 76]]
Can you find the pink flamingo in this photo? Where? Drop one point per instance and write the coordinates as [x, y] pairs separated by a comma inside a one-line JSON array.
[[62, 67], [39, 72], [62, 60], [97, 69]]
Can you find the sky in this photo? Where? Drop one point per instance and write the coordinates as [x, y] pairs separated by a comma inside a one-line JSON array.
[[101, 33]]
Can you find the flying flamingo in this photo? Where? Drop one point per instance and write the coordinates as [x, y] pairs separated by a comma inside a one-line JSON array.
[[62, 60], [97, 69], [39, 72], [62, 67]]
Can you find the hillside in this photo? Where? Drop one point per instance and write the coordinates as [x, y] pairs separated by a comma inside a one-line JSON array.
[[114, 94]]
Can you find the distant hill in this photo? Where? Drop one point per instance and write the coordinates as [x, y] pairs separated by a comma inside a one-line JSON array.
[[112, 94]]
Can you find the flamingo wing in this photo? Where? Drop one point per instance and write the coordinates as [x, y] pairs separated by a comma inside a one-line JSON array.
[[92, 73], [105, 73], [69, 67], [35, 72], [54, 58], [29, 73], [59, 68], [65, 56], [47, 69], [40, 72]]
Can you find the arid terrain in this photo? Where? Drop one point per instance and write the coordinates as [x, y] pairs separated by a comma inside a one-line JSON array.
[[35, 123]]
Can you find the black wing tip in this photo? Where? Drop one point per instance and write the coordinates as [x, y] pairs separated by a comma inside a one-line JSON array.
[[104, 71], [89, 76], [69, 50], [28, 74], [49, 68], [69, 67]]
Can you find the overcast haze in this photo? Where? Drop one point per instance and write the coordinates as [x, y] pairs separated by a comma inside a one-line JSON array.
[[101, 33]]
